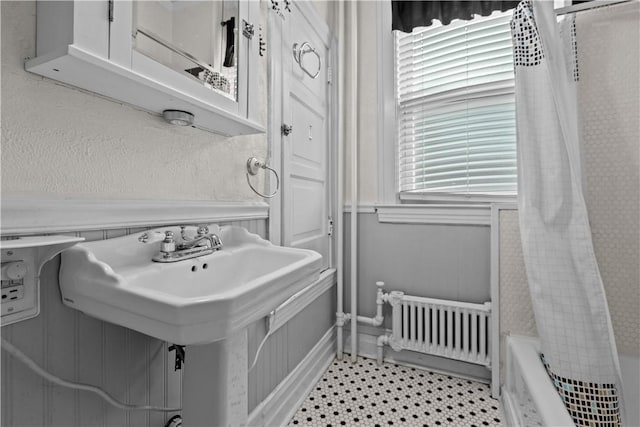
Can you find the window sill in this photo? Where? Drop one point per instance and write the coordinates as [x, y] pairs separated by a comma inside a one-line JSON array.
[[442, 209], [442, 214], [456, 198]]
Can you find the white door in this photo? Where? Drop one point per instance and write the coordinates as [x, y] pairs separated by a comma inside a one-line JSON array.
[[306, 184]]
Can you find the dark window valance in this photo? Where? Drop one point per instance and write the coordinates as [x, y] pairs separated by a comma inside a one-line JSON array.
[[410, 14]]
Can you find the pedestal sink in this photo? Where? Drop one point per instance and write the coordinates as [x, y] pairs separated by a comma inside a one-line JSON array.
[[205, 303], [195, 301]]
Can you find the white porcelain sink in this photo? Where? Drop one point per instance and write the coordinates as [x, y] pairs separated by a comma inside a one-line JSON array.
[[195, 301]]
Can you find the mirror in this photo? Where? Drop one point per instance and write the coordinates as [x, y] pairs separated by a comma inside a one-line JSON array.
[[198, 39]]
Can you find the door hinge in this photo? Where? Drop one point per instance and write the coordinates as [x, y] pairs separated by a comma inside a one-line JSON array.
[[330, 226], [110, 10], [247, 29]]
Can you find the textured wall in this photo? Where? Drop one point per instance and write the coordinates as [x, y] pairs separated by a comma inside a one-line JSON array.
[[609, 98], [609, 95], [516, 310], [367, 102], [63, 141], [609, 111]]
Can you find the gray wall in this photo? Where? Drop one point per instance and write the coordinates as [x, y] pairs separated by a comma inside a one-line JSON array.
[[133, 367], [433, 261], [286, 348], [62, 141]]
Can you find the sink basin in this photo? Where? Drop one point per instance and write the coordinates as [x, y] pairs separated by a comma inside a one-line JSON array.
[[195, 301]]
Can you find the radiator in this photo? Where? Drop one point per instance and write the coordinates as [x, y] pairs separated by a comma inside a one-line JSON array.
[[452, 329]]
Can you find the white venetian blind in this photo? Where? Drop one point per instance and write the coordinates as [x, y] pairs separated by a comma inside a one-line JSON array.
[[456, 108]]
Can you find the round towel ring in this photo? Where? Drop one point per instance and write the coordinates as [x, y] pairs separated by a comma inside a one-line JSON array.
[[299, 52], [253, 166]]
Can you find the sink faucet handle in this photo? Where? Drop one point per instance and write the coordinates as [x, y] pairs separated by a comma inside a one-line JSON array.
[[217, 241], [152, 237], [167, 243], [183, 233]]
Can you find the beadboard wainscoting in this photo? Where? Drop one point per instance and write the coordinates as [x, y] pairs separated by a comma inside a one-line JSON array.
[[431, 260], [132, 367], [289, 345]]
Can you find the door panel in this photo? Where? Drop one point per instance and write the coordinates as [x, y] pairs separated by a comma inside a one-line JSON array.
[[309, 211], [308, 155], [305, 161]]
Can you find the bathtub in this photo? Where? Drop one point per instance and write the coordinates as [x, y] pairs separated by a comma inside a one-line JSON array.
[[529, 397]]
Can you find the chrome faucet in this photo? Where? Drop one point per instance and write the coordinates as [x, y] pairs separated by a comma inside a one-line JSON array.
[[203, 234], [203, 243]]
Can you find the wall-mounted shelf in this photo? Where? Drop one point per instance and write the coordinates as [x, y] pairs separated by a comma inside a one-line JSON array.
[[90, 46], [22, 259]]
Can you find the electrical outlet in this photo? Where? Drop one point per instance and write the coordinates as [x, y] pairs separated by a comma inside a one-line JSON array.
[[12, 293], [21, 258], [19, 286]]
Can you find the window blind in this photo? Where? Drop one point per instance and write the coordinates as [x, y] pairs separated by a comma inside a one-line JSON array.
[[456, 108]]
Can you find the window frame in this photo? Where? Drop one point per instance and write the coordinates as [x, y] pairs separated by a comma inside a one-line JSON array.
[[387, 144]]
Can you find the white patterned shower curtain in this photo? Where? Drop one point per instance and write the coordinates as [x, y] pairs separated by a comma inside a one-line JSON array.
[[568, 296]]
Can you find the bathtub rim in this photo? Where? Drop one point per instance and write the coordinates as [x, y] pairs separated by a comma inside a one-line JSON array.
[[525, 351]]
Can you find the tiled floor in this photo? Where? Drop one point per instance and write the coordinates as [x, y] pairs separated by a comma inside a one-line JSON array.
[[368, 395]]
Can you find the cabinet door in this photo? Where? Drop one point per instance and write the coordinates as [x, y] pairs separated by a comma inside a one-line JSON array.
[[197, 47], [189, 60], [83, 24], [120, 32]]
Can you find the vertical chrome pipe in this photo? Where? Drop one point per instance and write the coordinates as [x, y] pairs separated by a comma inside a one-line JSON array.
[[352, 20], [340, 190]]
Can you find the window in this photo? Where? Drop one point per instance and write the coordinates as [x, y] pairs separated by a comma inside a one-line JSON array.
[[456, 109]]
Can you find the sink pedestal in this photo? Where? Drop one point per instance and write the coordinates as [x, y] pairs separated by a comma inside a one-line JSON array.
[[214, 385], [208, 299]]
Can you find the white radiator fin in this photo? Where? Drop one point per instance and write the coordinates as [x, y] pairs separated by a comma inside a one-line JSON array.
[[450, 329]]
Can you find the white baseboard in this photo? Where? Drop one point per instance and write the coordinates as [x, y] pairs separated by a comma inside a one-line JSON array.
[[283, 402]]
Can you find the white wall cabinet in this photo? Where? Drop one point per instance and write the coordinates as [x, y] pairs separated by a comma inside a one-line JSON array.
[[97, 46]]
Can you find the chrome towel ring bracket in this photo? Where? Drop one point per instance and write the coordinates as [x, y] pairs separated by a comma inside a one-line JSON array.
[[300, 51], [253, 166]]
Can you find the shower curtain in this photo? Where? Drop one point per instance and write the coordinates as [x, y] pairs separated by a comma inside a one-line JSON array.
[[568, 297]]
